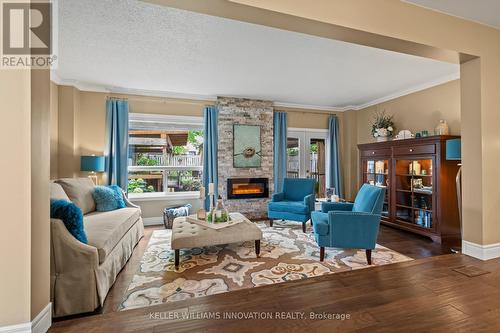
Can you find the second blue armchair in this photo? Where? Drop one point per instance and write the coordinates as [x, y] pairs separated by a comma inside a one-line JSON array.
[[295, 203], [350, 225]]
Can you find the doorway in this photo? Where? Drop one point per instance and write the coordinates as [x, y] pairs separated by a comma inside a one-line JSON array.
[[306, 156]]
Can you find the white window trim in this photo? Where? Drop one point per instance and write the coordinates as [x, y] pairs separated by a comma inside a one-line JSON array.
[[189, 121], [163, 196]]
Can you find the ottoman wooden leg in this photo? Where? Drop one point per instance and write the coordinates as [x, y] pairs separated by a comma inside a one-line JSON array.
[[257, 247], [303, 227], [270, 223], [176, 258]]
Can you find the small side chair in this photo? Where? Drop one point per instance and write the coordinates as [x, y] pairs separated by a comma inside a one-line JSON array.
[[350, 225], [295, 203]]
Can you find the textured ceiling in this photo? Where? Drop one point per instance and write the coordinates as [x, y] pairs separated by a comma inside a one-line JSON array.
[[132, 45], [481, 11]]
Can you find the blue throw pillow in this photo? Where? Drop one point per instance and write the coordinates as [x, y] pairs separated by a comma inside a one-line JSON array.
[[108, 198], [71, 216]]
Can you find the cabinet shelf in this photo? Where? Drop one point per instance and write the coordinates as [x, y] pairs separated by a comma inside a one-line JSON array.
[[410, 175], [414, 208]]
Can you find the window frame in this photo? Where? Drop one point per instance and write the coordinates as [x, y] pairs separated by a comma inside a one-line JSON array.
[[181, 123]]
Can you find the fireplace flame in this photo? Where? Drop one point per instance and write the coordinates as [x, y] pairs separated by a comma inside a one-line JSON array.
[[247, 189]]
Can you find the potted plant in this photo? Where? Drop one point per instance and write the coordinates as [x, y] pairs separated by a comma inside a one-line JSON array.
[[382, 127]]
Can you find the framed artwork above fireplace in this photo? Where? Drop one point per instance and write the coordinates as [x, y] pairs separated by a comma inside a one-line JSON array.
[[247, 152]]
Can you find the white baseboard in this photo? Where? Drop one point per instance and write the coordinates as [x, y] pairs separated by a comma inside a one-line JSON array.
[[40, 324], [483, 252], [148, 221]]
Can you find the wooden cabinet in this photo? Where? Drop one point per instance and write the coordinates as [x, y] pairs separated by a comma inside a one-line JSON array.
[[420, 182]]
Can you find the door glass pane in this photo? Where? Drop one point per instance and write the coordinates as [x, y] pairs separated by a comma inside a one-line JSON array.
[[317, 165], [293, 158]]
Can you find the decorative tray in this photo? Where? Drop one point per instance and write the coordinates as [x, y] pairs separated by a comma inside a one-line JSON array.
[[235, 218]]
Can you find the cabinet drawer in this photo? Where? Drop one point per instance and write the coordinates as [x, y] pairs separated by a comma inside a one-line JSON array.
[[376, 152], [417, 149]]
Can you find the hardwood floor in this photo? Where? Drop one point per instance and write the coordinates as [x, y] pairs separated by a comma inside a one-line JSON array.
[[422, 295]]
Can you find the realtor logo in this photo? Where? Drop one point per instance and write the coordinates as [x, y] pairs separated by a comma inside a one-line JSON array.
[[26, 37]]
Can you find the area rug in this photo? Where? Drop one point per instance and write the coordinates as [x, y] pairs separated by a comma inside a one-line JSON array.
[[286, 254]]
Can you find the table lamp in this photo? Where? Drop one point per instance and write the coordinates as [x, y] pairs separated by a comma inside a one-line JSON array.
[[454, 153], [92, 164]]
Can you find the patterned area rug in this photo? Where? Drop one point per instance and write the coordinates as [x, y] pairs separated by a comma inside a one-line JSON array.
[[286, 254]]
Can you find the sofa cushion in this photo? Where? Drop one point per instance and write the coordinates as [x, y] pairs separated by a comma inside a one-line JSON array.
[[79, 191], [71, 216], [320, 223], [106, 229], [296, 207], [108, 198], [57, 192]]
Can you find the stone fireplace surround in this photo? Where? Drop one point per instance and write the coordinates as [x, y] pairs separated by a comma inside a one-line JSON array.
[[245, 112]]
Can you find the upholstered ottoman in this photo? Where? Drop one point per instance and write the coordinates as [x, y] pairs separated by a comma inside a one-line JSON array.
[[186, 235]]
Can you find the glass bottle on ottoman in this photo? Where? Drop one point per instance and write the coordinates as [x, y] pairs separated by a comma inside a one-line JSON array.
[[219, 213]]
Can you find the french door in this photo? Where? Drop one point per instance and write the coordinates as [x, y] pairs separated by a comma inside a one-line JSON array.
[[306, 156]]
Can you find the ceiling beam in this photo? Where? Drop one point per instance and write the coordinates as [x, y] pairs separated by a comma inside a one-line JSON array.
[[249, 14]]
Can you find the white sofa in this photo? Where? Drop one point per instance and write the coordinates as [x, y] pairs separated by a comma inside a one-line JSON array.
[[82, 274]]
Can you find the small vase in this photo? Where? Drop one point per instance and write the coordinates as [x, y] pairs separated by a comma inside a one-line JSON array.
[[382, 138], [442, 128]]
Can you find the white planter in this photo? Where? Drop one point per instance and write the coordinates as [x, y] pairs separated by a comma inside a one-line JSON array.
[[382, 138]]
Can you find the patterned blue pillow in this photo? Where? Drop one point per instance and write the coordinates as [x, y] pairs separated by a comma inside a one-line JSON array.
[[108, 198], [71, 216]]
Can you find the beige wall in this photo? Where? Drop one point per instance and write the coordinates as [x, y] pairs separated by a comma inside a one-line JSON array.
[[395, 19], [418, 111], [25, 232], [40, 175], [15, 165], [54, 130]]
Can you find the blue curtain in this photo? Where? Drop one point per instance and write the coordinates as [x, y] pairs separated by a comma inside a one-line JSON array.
[[210, 142], [117, 142], [334, 172], [280, 143]]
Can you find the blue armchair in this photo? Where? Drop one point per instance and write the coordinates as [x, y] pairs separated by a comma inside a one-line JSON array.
[[295, 203], [350, 225]]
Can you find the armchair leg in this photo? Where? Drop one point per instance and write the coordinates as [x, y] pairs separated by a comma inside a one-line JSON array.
[[270, 222], [369, 256], [303, 227], [321, 253]]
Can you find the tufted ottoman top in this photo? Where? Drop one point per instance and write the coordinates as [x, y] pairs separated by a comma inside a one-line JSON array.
[[188, 235]]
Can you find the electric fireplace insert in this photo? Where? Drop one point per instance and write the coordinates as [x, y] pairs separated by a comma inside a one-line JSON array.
[[247, 188]]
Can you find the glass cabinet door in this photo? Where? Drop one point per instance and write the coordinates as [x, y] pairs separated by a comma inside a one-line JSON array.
[[414, 192], [376, 172]]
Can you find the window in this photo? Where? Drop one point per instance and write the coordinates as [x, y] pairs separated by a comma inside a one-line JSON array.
[[165, 154]]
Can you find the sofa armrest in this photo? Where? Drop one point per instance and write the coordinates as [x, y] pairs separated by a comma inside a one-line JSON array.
[[129, 203], [309, 201], [338, 206], [73, 266], [280, 196], [353, 229]]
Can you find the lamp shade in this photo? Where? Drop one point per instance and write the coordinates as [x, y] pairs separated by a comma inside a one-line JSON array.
[[454, 150], [92, 163]]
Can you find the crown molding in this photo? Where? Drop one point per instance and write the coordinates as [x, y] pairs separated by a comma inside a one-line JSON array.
[[92, 87]]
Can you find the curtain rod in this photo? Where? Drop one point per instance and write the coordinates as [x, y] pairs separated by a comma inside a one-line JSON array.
[[311, 112]]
